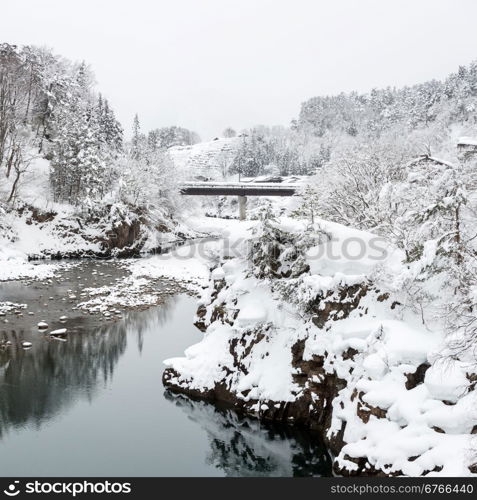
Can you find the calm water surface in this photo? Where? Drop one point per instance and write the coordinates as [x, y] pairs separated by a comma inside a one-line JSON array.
[[95, 405]]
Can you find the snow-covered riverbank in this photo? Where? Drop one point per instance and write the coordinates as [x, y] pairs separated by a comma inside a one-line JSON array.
[[327, 340], [27, 236], [110, 287], [336, 347]]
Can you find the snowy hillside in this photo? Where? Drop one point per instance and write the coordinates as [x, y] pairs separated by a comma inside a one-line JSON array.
[[205, 160], [70, 186]]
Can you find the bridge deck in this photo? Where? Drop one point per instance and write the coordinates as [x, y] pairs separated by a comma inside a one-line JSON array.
[[237, 189]]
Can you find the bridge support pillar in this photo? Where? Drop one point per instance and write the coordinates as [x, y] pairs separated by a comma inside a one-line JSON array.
[[242, 200]]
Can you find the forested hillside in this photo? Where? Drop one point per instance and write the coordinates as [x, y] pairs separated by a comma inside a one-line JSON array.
[[64, 161], [350, 308], [309, 326], [425, 105], [48, 109], [425, 118]]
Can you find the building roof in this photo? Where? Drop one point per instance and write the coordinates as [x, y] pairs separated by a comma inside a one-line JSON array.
[[466, 141], [432, 159]]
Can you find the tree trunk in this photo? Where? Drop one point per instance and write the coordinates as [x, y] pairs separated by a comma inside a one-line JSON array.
[[10, 161], [14, 186], [458, 239]]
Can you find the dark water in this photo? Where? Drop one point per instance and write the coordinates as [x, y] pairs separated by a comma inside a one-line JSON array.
[[95, 405]]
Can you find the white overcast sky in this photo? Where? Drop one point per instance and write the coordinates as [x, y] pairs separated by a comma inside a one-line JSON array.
[[207, 64]]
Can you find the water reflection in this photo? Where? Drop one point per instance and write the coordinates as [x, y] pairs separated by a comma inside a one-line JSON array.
[[39, 383], [97, 398], [240, 446]]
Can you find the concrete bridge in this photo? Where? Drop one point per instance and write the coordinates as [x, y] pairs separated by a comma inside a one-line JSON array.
[[239, 189]]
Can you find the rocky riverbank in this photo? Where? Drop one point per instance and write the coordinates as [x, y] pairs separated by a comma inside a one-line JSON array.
[[68, 297], [115, 230]]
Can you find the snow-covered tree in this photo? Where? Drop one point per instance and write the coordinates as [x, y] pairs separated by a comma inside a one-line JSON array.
[[149, 182], [137, 140], [348, 187], [309, 206], [266, 245], [229, 132]]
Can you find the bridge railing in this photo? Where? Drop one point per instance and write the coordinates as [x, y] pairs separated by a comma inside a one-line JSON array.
[[239, 185]]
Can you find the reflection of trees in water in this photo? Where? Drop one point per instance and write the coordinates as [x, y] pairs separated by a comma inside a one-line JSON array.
[[242, 446], [41, 382], [151, 319]]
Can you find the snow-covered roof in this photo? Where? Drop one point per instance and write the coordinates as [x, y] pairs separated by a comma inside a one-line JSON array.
[[432, 159], [263, 178], [466, 141], [279, 179]]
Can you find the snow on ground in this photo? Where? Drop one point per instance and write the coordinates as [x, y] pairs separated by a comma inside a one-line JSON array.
[[231, 229], [205, 159], [130, 292], [26, 238], [14, 265], [6, 307], [173, 267], [193, 260], [408, 430]]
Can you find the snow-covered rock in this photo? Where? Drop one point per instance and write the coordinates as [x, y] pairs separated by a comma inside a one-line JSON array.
[[334, 349], [58, 332]]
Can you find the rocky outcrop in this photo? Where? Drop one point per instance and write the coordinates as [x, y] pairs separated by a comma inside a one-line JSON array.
[[331, 385], [337, 304], [124, 239], [336, 353], [316, 386], [108, 231]]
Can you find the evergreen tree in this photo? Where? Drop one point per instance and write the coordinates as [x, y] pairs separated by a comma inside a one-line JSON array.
[[309, 203], [136, 141], [229, 132], [266, 246]]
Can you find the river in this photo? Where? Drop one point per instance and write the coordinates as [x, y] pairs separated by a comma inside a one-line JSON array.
[[93, 404]]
